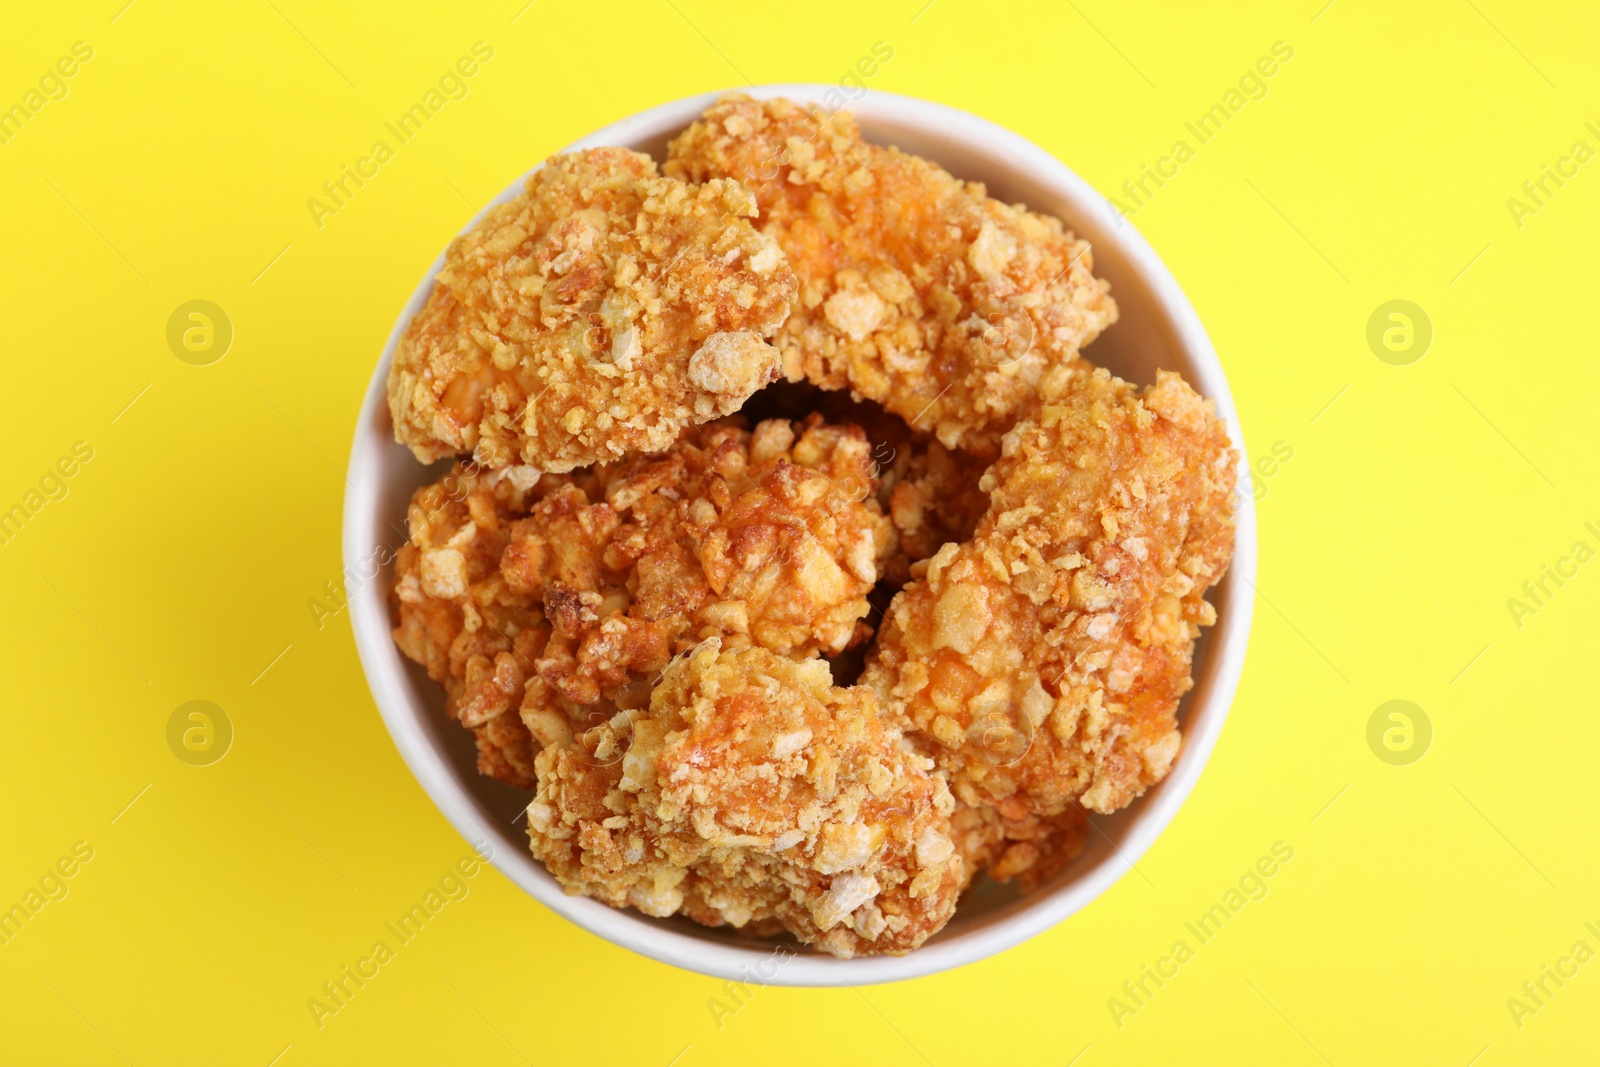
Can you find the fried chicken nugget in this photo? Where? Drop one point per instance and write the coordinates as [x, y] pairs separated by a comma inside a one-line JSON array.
[[917, 290], [1029, 850], [456, 618], [1042, 661], [931, 494], [600, 312], [546, 603], [753, 789]]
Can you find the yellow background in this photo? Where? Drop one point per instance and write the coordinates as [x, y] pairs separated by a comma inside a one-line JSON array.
[[181, 562]]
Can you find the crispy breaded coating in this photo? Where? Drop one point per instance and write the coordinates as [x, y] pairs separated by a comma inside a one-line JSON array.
[[599, 312], [933, 496], [1042, 661], [930, 493], [1029, 850], [917, 290], [546, 604], [457, 618], [753, 789]]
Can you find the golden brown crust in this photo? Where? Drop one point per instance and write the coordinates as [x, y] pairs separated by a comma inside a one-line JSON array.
[[752, 789], [930, 493], [547, 603], [599, 312], [917, 290], [1029, 850], [457, 618], [933, 496], [1042, 661]]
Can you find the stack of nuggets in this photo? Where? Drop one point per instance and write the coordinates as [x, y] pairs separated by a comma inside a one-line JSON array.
[[641, 603]]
